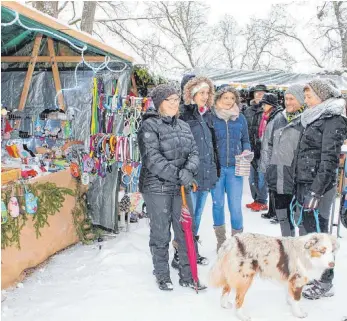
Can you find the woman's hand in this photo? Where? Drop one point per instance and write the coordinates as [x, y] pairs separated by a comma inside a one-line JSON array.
[[186, 177]]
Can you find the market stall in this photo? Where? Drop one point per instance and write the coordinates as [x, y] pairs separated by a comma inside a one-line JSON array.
[[62, 91]]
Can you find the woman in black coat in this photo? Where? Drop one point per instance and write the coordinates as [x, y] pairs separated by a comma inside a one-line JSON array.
[[169, 159], [324, 131]]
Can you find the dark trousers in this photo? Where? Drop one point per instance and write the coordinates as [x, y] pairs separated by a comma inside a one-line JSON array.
[[282, 208], [164, 210], [309, 221]]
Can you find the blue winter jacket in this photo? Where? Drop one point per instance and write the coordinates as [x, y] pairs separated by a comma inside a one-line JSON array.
[[232, 138]]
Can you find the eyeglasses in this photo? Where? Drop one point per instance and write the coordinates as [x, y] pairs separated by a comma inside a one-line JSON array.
[[173, 100]]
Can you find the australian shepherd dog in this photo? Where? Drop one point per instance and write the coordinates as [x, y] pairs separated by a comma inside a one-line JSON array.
[[294, 261]]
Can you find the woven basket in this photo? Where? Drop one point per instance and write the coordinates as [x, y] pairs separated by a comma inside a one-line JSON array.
[[243, 164]]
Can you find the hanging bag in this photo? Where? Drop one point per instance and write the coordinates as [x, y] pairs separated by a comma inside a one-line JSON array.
[[243, 164]]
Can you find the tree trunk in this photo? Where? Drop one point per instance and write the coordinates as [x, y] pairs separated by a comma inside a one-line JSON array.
[[342, 31], [88, 16], [48, 7]]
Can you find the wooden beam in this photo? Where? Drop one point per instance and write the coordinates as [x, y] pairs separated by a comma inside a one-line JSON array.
[[55, 72], [30, 71], [63, 28], [29, 75], [58, 59], [133, 82]]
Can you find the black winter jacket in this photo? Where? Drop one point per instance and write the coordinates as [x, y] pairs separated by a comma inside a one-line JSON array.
[[166, 146], [319, 151], [205, 138], [253, 116]]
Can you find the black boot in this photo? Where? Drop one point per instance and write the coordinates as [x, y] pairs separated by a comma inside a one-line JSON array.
[[191, 284], [176, 260], [268, 215], [165, 284], [201, 260]]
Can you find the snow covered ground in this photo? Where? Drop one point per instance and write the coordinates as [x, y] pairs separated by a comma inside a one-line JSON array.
[[84, 283]]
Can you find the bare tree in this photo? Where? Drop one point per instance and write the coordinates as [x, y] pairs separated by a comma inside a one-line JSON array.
[[48, 7], [226, 33], [264, 48], [88, 15], [182, 33], [333, 26]]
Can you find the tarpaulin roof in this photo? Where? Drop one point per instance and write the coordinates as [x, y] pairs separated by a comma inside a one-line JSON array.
[[276, 78]]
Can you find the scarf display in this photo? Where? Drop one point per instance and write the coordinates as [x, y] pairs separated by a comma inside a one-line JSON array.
[[332, 106], [291, 116], [233, 113]]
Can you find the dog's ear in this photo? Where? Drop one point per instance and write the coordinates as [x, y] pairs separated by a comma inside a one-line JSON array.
[[312, 241]]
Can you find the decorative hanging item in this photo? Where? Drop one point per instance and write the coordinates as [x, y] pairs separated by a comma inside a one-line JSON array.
[[4, 215], [30, 202], [75, 170], [13, 207], [85, 179]]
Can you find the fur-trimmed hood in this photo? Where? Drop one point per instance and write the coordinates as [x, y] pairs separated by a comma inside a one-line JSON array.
[[187, 97]]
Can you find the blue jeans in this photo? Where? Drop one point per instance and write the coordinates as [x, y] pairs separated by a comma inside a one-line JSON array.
[[233, 186], [199, 201], [258, 186]]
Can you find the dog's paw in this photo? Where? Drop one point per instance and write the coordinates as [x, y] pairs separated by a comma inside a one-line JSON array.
[[298, 312], [241, 316], [225, 302]]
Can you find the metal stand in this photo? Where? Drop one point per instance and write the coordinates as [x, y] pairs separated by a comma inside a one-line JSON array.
[[332, 222]]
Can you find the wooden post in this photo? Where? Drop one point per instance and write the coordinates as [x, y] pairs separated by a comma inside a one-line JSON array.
[[133, 82], [29, 75], [55, 72]]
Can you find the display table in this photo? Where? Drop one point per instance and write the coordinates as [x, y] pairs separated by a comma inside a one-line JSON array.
[[60, 234]]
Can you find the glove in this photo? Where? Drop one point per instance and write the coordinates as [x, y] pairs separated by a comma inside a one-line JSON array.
[[185, 177], [311, 201]]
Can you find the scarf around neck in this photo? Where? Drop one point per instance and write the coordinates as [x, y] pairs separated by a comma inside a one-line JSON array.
[[233, 113], [291, 116], [263, 123], [332, 107], [202, 110]]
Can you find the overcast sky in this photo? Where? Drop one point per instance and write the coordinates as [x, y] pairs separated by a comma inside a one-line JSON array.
[[243, 11]]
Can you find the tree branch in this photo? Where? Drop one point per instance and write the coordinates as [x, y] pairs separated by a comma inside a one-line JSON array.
[[302, 44]]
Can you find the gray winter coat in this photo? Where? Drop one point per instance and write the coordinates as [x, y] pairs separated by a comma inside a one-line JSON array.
[[279, 147], [166, 145]]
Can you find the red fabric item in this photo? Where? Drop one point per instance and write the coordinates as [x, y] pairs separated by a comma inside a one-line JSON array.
[[203, 110], [8, 127], [263, 123], [187, 225]]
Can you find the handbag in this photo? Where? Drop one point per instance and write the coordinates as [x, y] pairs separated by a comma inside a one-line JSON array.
[[243, 164]]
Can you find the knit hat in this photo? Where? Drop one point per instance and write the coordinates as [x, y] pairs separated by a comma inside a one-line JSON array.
[[221, 90], [269, 99], [298, 92], [160, 93], [324, 88]]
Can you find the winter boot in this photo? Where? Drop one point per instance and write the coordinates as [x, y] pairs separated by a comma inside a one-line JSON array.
[[201, 260], [191, 284], [176, 260], [220, 235], [234, 232], [165, 284]]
